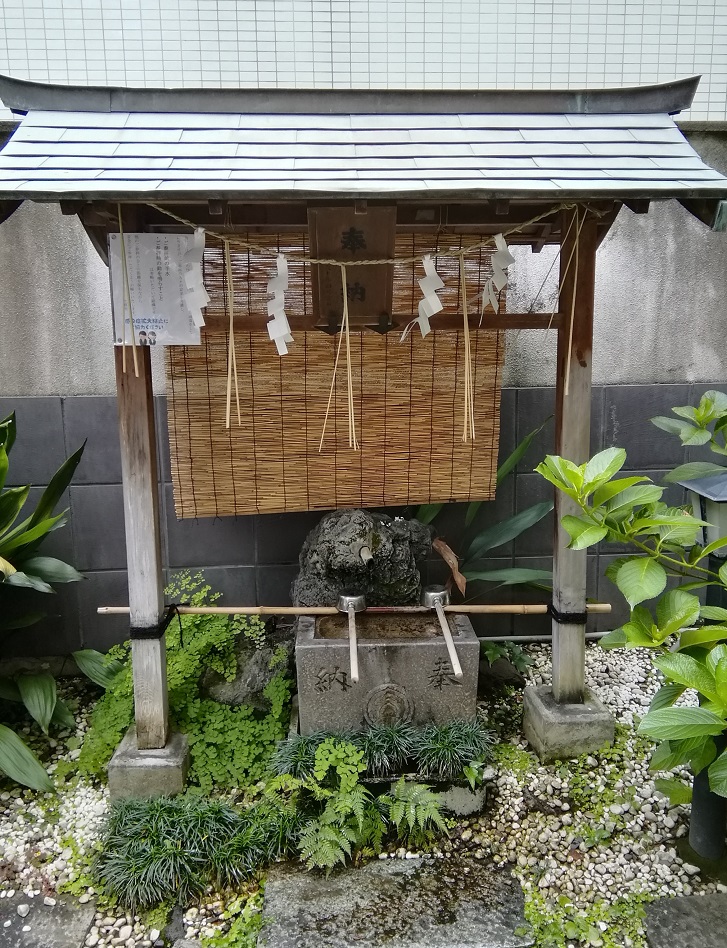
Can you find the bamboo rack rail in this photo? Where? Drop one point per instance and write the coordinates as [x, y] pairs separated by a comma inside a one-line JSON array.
[[525, 609]]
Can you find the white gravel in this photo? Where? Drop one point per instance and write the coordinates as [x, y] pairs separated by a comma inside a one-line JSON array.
[[621, 841]]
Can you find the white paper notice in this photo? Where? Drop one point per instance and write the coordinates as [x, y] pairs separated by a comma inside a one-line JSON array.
[[165, 285]]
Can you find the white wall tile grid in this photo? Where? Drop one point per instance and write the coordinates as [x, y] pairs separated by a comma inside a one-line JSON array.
[[370, 43]]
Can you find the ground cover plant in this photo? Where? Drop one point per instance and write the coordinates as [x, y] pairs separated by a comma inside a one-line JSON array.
[[441, 752], [230, 746], [156, 851], [687, 639]]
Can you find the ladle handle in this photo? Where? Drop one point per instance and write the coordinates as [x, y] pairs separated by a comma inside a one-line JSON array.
[[453, 657], [352, 644]]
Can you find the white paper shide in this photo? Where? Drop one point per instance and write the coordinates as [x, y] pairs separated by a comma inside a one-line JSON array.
[[165, 287]]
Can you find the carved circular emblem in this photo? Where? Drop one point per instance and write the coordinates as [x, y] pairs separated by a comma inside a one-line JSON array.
[[388, 704]]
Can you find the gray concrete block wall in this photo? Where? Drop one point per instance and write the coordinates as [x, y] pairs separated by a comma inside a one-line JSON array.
[[254, 559]]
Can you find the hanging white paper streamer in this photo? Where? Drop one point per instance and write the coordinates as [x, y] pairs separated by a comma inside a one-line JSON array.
[[278, 327], [501, 260], [431, 303], [196, 296]]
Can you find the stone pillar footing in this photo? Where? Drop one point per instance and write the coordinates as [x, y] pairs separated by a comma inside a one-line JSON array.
[[148, 773], [562, 731]]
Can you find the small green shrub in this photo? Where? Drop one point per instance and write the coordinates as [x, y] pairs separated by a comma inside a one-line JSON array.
[[172, 848], [230, 746], [387, 749], [443, 751]]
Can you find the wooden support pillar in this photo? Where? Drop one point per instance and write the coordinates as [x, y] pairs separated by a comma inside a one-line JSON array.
[[143, 548], [572, 441]]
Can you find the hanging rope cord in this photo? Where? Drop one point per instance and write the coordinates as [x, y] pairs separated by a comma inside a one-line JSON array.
[[239, 243], [468, 427]]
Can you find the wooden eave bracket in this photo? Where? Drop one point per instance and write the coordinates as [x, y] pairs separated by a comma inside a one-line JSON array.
[[710, 211]]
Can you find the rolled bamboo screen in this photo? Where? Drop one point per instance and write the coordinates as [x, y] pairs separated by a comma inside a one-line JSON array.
[[408, 400]]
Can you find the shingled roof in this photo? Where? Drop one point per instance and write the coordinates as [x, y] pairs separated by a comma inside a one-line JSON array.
[[117, 144]]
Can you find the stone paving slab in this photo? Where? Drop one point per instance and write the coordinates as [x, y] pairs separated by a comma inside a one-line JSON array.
[[690, 921], [402, 903], [63, 925]]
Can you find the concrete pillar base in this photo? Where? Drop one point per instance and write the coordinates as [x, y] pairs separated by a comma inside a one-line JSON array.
[[562, 731], [148, 773]]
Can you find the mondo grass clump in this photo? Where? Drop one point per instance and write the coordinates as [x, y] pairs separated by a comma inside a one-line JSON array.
[[172, 848], [436, 751]]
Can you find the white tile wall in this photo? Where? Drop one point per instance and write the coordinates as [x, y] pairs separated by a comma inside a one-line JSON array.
[[370, 43]]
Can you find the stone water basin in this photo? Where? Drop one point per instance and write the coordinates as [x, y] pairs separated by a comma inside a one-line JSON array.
[[405, 675]]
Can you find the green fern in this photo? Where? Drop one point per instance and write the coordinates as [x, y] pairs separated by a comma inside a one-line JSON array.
[[414, 811], [324, 845]]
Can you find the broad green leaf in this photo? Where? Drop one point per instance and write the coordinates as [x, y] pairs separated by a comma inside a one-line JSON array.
[[427, 512], [666, 696], [517, 455], [671, 754], [507, 530], [675, 610], [615, 639], [18, 539], [672, 425], [602, 467], [685, 670], [720, 677], [612, 488], [9, 691], [723, 574], [718, 400], [19, 578], [97, 666], [39, 696], [622, 504], [583, 533], [676, 724], [471, 513], [702, 756], [3, 465], [8, 430], [715, 656], [695, 436], [687, 411], [19, 762], [11, 503], [564, 474], [703, 636], [510, 576], [639, 630], [718, 775], [51, 569], [21, 622], [715, 613], [677, 791], [713, 547], [640, 578], [54, 491], [62, 715], [693, 471]]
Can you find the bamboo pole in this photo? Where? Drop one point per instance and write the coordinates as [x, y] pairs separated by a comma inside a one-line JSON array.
[[523, 609]]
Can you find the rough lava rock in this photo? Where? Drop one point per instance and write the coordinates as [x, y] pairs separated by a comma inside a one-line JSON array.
[[330, 560], [254, 670]]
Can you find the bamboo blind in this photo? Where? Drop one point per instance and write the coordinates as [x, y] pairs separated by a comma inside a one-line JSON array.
[[408, 399]]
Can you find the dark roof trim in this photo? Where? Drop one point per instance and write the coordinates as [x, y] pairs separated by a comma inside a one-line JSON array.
[[23, 96]]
